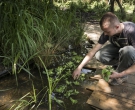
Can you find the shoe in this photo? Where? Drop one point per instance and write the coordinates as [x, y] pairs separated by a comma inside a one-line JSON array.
[[118, 81]]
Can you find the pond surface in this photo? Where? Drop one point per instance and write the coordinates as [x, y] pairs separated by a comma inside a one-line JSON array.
[[15, 92], [10, 92]]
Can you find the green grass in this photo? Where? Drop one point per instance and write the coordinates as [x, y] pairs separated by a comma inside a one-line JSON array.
[[29, 30]]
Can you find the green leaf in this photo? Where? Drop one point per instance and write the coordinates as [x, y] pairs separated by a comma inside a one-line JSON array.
[[60, 89], [60, 102], [106, 73], [73, 100], [76, 83]]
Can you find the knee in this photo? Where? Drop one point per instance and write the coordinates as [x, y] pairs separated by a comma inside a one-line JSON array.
[[127, 50], [100, 56]]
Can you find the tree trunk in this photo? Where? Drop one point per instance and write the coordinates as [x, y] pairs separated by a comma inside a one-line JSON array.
[[112, 5], [122, 10], [134, 9], [118, 2]]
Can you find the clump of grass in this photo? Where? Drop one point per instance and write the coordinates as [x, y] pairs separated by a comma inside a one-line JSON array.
[[28, 101], [30, 29]]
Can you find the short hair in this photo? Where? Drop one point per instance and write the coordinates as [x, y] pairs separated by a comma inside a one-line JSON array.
[[109, 17]]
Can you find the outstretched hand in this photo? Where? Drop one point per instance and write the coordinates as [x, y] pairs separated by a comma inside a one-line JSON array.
[[115, 75], [76, 73]]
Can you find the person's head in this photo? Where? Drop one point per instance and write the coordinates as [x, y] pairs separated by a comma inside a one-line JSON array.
[[110, 24]]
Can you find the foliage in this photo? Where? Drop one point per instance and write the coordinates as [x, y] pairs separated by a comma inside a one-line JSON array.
[[58, 81], [94, 8], [30, 29], [70, 93], [33, 28], [28, 101], [73, 100], [131, 2], [34, 31], [107, 72], [61, 88]]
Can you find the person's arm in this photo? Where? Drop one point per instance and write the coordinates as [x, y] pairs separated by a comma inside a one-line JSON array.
[[86, 59], [128, 71]]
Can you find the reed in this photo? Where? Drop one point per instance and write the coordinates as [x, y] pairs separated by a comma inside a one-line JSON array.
[[31, 28]]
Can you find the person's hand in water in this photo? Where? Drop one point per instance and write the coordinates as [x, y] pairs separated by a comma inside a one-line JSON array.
[[76, 73]]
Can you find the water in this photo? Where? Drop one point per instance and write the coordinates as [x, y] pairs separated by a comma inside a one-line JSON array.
[[10, 92]]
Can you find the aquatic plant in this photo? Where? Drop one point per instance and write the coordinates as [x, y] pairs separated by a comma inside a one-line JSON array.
[[28, 101], [58, 80], [107, 72]]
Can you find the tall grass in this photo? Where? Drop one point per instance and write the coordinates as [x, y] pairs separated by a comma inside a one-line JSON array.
[[30, 28], [29, 101]]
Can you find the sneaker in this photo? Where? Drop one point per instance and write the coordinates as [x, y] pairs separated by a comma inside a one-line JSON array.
[[118, 81]]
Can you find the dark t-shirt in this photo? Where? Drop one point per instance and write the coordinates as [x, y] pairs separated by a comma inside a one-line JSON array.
[[127, 37]]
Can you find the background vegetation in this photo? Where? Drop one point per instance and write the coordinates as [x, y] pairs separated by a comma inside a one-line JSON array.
[[43, 28], [38, 31]]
